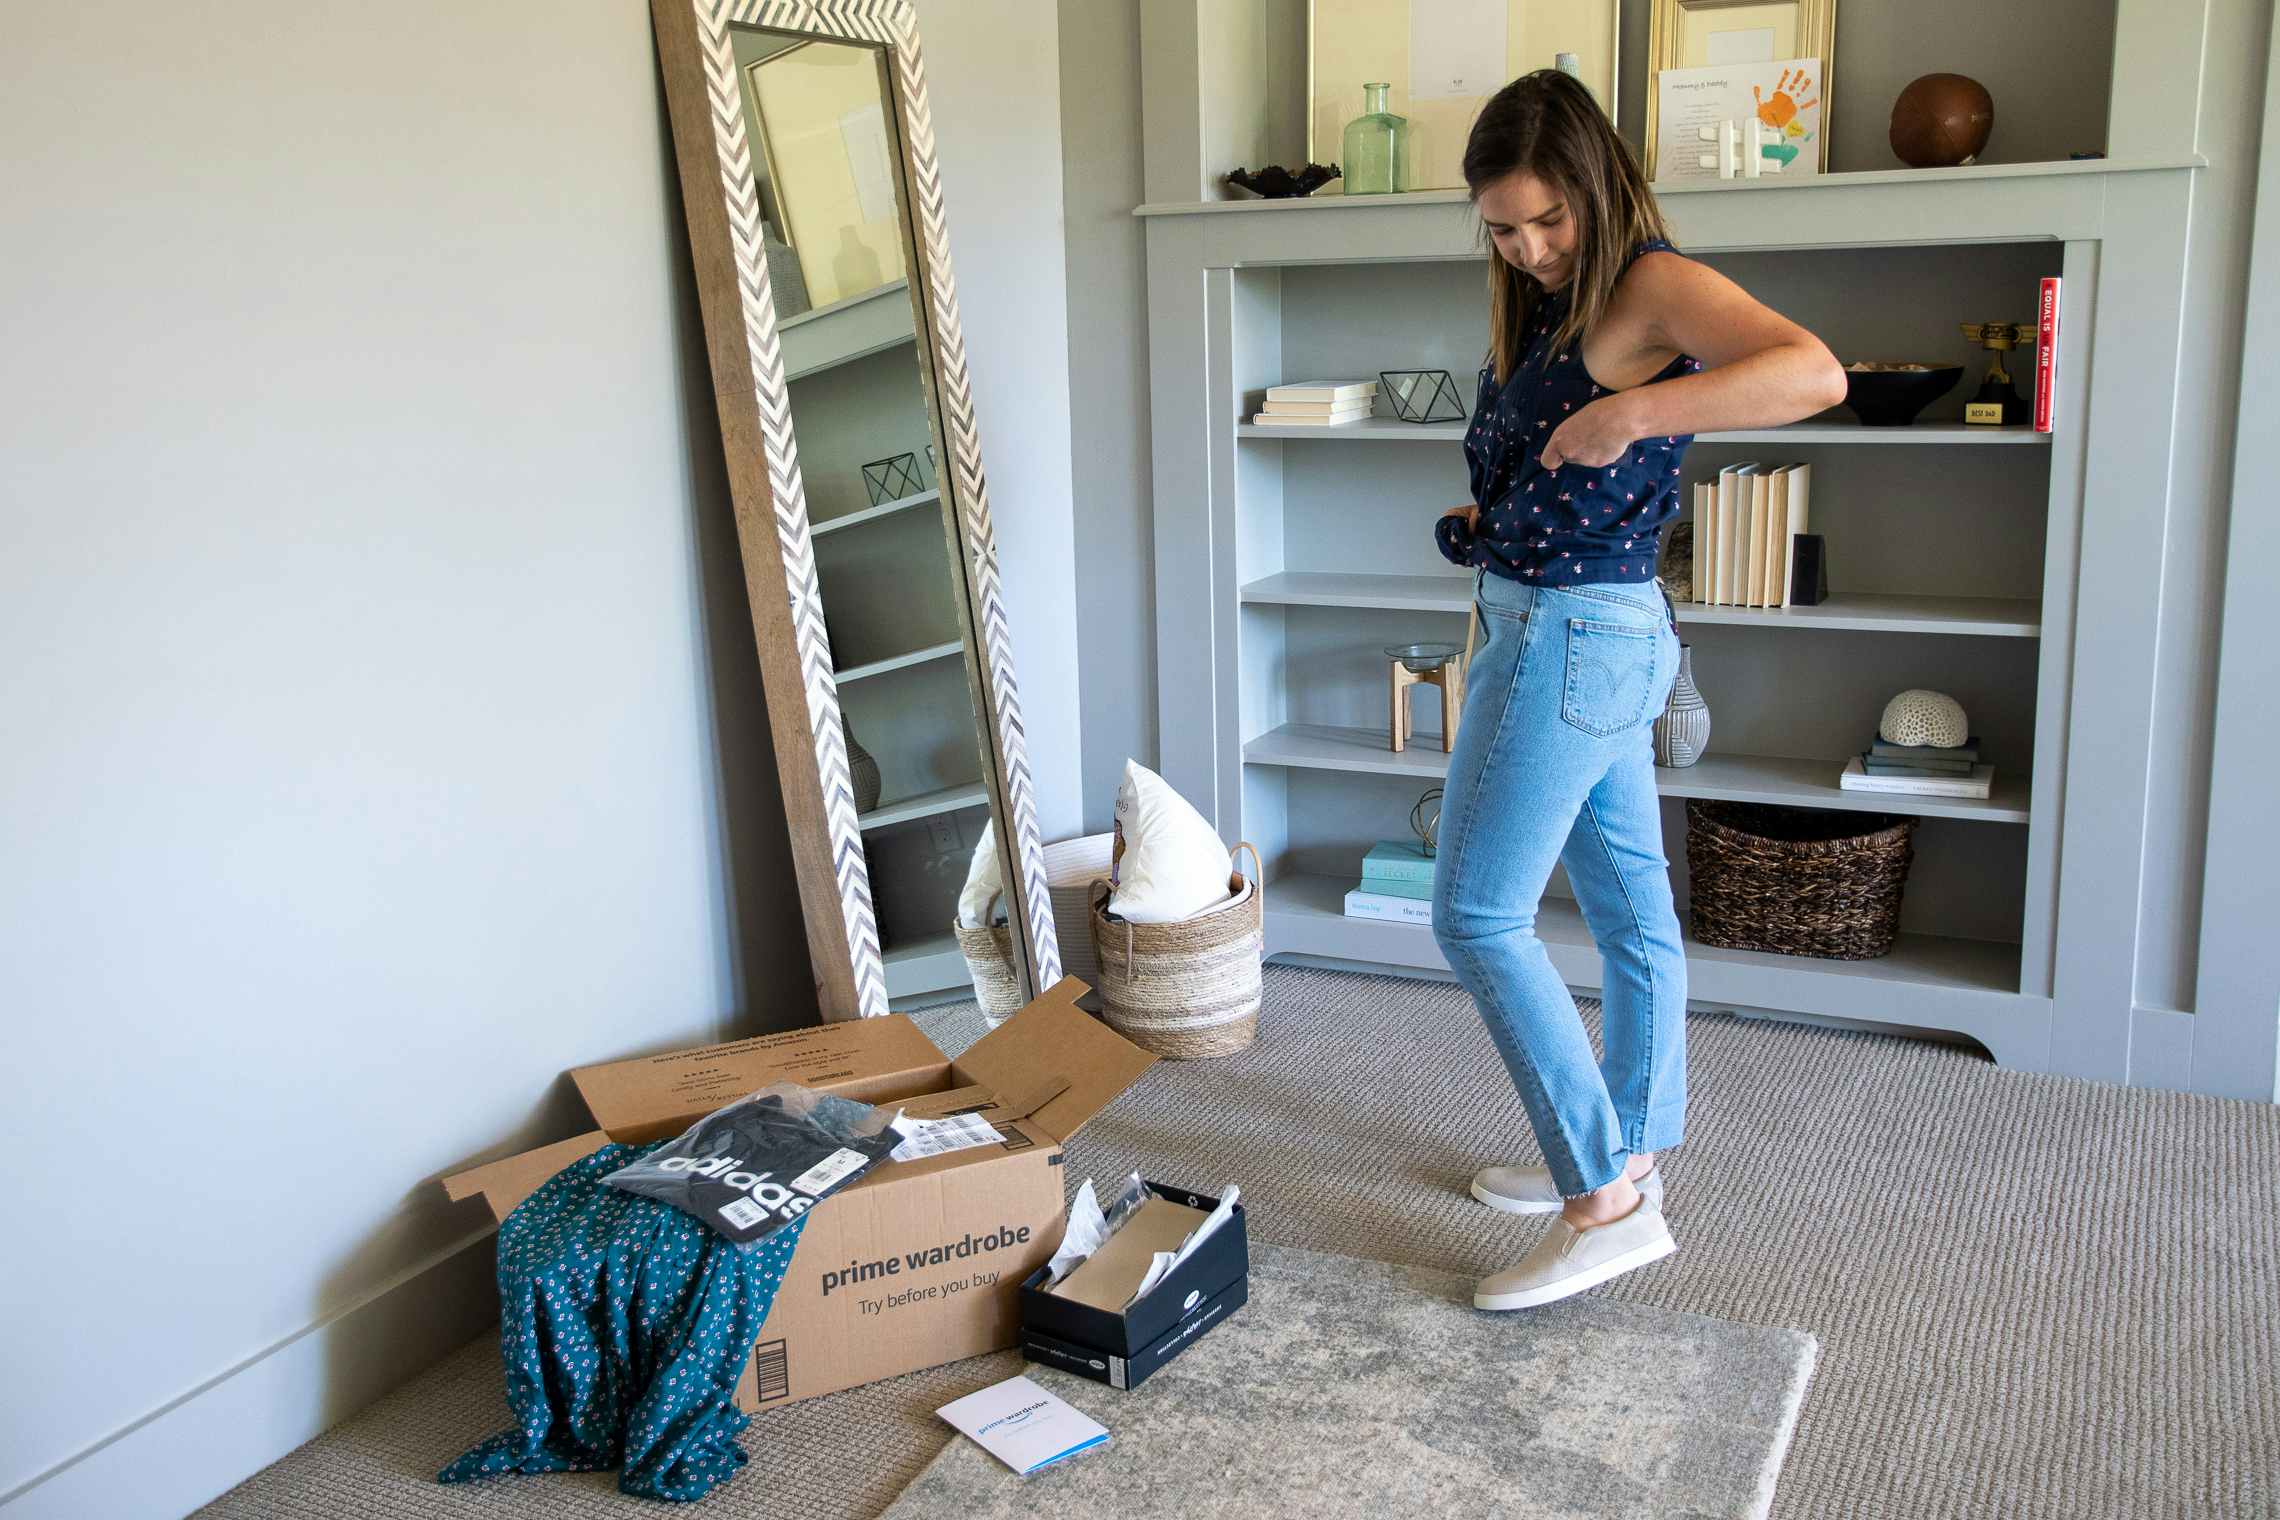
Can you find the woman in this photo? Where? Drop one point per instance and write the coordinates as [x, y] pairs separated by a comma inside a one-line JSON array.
[[1608, 351]]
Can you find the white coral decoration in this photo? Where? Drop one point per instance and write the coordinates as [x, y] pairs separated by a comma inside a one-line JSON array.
[[1917, 716]]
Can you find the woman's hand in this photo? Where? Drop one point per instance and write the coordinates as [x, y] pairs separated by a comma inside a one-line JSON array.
[[1601, 433], [1470, 512]]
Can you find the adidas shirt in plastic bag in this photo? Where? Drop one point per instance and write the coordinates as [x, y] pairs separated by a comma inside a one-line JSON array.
[[762, 1162]]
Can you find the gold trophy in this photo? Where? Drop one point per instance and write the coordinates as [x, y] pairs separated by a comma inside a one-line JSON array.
[[1998, 403]]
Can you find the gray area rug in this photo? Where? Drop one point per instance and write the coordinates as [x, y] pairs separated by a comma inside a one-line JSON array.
[[1352, 1390], [2036, 1297]]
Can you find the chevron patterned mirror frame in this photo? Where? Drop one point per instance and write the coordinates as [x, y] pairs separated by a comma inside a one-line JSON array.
[[716, 161]]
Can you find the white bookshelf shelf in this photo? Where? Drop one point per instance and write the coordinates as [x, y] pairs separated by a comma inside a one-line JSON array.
[[933, 964], [1930, 183], [898, 662], [2000, 617], [1795, 435], [872, 514], [949, 799], [1779, 780], [1305, 915], [826, 337]]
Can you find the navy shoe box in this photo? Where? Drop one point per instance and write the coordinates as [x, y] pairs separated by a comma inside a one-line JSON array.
[[1122, 1347]]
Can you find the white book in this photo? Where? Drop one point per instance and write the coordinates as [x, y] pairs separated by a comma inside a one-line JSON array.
[[1331, 419], [1023, 1425], [1406, 910], [1322, 390], [1795, 485], [1703, 495], [1318, 408], [1760, 513], [1978, 784], [1306, 411], [1733, 505]]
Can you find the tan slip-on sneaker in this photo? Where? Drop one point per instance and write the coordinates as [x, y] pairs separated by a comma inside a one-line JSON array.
[[1568, 1261], [1530, 1189]]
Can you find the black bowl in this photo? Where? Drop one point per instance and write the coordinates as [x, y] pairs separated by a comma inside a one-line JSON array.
[[1278, 183], [1893, 397]]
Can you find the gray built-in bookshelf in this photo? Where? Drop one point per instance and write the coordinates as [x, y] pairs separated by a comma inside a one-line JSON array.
[[1961, 559]]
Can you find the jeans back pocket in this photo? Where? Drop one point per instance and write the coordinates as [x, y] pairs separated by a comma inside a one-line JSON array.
[[1611, 675]]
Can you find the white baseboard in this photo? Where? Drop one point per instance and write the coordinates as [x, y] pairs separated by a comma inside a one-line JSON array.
[[204, 1442]]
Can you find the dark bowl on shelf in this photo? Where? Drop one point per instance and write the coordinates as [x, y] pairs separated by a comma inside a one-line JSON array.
[[1894, 397]]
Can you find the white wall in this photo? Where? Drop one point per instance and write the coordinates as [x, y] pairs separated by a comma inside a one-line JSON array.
[[380, 732]]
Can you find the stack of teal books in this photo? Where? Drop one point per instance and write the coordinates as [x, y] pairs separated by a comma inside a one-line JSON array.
[[1397, 884]]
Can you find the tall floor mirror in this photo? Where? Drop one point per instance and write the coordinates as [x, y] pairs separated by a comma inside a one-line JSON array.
[[818, 227]]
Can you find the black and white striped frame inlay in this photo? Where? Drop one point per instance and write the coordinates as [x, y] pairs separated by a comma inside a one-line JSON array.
[[891, 24]]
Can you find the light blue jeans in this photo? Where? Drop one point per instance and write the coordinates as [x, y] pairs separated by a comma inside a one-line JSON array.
[[1555, 762]]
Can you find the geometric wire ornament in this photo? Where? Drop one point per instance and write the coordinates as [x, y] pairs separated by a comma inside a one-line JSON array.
[[1422, 395], [892, 479]]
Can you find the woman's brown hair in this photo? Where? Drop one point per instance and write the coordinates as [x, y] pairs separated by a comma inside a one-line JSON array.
[[1548, 125]]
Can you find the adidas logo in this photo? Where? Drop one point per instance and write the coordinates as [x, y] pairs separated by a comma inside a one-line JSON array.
[[726, 1170]]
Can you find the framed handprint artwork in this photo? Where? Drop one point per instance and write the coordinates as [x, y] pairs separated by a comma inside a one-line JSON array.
[[1705, 57]]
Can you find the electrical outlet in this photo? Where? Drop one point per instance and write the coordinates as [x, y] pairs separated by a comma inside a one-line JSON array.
[[943, 830]]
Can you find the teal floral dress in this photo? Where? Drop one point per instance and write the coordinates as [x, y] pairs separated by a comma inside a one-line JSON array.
[[625, 1324]]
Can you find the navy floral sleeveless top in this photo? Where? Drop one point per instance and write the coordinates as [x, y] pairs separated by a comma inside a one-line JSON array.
[[1576, 524]]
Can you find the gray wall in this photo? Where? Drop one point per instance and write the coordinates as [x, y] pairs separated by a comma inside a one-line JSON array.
[[381, 732], [1108, 393], [2191, 560], [994, 77]]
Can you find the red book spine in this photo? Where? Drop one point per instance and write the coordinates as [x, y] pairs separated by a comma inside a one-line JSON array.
[[2046, 353]]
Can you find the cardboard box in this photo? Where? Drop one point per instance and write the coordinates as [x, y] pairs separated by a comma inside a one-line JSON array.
[[1084, 1326], [919, 1262]]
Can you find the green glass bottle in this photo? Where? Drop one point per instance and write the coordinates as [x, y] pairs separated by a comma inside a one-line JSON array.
[[1377, 147]]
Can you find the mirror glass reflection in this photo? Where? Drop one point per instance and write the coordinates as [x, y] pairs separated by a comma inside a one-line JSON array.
[[824, 158]]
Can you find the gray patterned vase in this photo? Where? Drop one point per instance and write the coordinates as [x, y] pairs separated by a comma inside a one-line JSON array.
[[862, 769], [1683, 730]]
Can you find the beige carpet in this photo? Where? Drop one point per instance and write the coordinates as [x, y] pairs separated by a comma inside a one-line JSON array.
[[2034, 1297]]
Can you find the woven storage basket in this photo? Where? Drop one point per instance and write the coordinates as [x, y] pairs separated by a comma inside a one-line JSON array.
[[1187, 989], [1796, 881], [989, 959], [1070, 867]]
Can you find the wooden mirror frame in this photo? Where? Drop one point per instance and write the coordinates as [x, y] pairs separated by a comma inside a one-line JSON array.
[[702, 95]]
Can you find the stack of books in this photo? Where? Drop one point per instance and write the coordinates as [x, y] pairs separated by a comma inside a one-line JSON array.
[[1318, 403], [1397, 884], [1919, 770], [1746, 524]]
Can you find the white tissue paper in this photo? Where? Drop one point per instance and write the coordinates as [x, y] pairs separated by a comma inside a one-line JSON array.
[[982, 881]]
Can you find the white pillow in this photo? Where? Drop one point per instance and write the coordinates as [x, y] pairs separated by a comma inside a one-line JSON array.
[[1169, 861], [982, 881]]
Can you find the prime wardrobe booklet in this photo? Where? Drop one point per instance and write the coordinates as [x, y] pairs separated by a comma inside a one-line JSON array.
[[1024, 1426]]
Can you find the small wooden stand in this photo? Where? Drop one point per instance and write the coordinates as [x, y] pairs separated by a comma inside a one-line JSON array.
[[1450, 678]]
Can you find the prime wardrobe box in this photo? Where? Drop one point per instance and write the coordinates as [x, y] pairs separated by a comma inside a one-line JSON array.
[[920, 1262], [1086, 1326]]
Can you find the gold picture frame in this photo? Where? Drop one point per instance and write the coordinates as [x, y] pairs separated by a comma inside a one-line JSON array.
[[1352, 42], [1687, 34]]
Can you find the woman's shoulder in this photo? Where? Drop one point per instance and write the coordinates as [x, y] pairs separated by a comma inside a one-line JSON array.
[[1654, 254], [1656, 268]]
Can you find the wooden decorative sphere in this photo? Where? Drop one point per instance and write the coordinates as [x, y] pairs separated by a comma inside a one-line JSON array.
[[1941, 120]]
